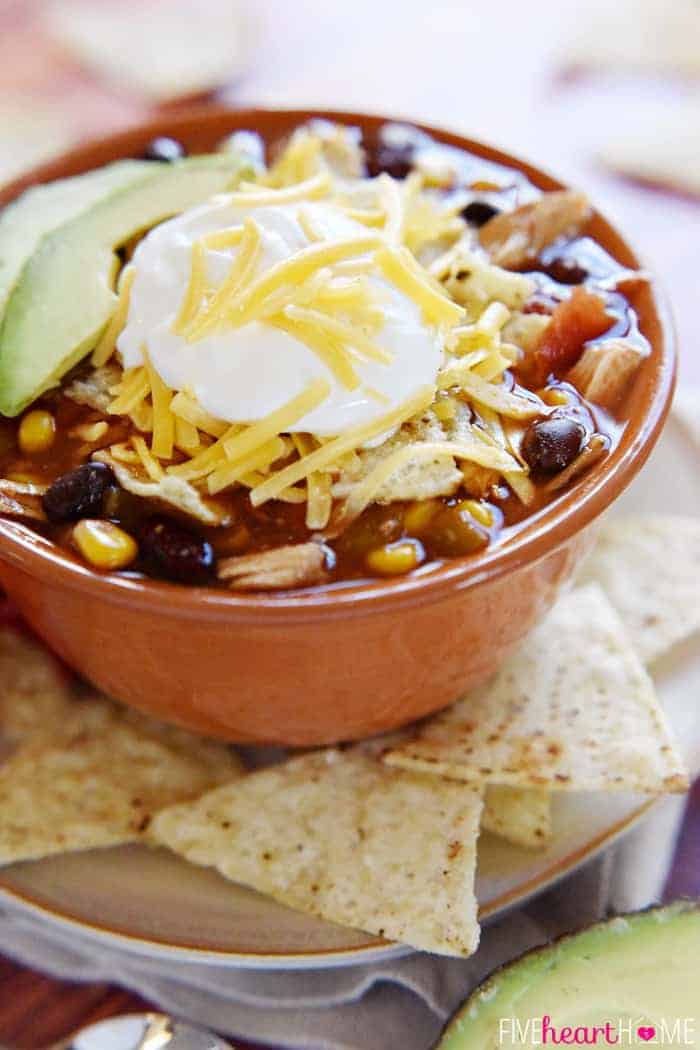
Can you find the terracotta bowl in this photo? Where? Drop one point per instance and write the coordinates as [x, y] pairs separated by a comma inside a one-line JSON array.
[[318, 668]]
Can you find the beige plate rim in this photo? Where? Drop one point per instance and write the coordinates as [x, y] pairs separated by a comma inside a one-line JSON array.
[[373, 951]]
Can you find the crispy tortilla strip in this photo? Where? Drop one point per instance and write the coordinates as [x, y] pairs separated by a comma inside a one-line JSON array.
[[522, 816], [94, 388], [340, 836], [95, 778], [573, 710], [604, 371], [515, 237], [34, 690], [169, 489], [296, 565], [649, 567]]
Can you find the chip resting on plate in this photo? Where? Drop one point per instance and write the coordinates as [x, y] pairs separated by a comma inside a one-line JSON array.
[[338, 835], [522, 816], [649, 567], [644, 35], [96, 776], [34, 689], [162, 50], [573, 710], [677, 165]]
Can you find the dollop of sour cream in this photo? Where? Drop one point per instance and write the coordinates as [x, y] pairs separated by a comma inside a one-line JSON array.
[[242, 374]]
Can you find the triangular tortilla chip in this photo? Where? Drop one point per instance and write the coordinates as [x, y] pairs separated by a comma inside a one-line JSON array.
[[34, 690], [686, 408], [163, 50], [338, 835], [573, 710], [649, 568], [522, 816], [677, 165], [96, 775], [643, 35]]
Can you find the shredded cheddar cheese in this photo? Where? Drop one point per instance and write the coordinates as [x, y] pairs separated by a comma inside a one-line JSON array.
[[399, 267], [347, 442], [331, 296]]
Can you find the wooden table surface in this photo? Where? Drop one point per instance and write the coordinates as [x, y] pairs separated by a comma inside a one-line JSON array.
[[457, 65]]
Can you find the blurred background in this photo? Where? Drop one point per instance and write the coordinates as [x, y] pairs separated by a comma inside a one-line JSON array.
[[607, 96]]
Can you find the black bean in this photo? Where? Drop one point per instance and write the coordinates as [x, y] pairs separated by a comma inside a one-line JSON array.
[[478, 213], [172, 551], [550, 445], [78, 494], [396, 161], [566, 271], [165, 150]]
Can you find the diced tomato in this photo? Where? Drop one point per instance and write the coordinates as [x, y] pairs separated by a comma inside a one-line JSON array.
[[574, 322]]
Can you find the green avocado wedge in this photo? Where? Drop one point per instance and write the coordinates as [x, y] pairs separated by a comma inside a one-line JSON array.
[[65, 296], [40, 209], [639, 975]]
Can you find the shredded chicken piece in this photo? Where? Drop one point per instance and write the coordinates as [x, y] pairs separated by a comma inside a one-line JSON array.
[[18, 500], [605, 369], [94, 389], [296, 565], [512, 238], [597, 447]]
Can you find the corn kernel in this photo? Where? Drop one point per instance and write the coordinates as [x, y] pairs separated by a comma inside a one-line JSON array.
[[37, 431], [395, 559], [479, 511], [89, 432], [418, 515], [104, 544]]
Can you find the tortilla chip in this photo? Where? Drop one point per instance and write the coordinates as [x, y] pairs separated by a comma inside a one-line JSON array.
[[677, 165], [34, 690], [199, 46], [169, 489], [522, 816], [645, 35], [32, 131], [686, 409], [338, 835], [573, 710], [418, 480], [99, 779], [649, 568]]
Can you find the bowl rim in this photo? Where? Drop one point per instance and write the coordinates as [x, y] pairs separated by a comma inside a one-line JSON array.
[[542, 533]]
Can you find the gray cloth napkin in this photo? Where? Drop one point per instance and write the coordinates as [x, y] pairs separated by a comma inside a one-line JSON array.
[[400, 1003]]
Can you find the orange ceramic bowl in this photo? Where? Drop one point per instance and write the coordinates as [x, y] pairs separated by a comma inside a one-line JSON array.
[[305, 669]]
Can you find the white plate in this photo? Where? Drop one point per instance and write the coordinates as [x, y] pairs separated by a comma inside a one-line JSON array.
[[151, 903]]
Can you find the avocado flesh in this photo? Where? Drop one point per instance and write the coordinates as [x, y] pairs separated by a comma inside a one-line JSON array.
[[41, 209], [643, 968], [64, 296]]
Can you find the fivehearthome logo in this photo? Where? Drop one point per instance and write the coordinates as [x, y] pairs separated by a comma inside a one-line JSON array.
[[541, 1031]]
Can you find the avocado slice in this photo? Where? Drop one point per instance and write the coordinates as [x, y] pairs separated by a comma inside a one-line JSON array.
[[639, 971], [64, 296], [40, 209]]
